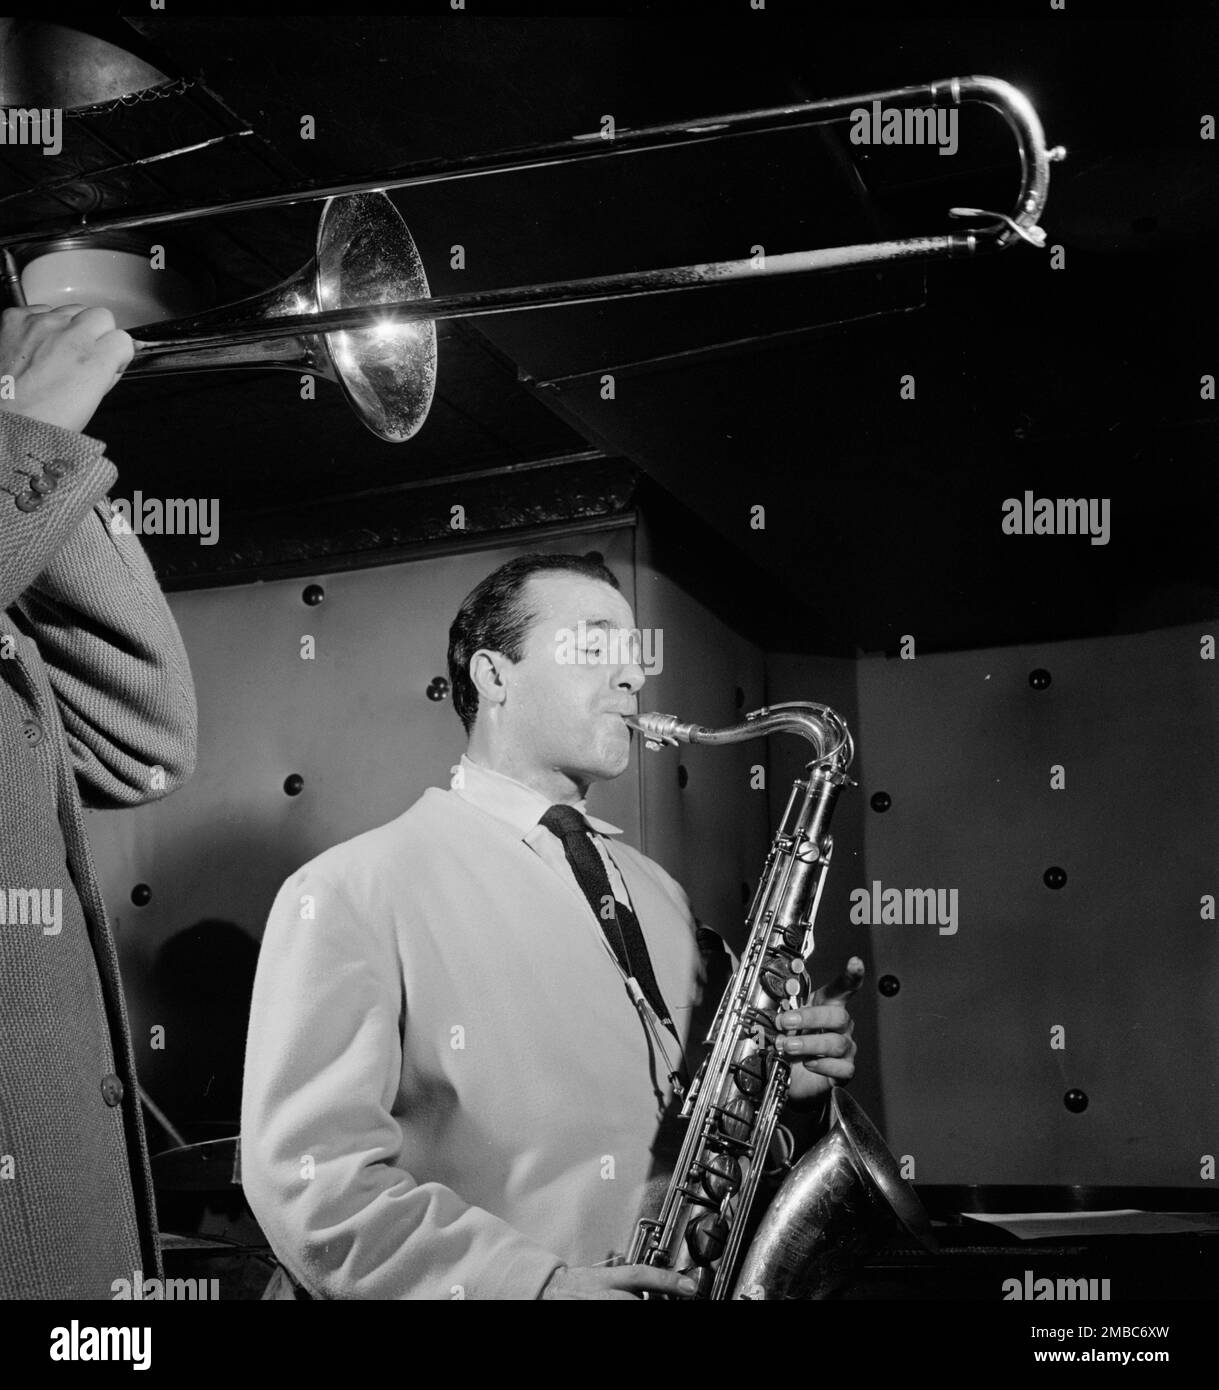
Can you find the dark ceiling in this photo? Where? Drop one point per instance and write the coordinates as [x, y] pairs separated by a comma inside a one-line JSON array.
[[882, 514]]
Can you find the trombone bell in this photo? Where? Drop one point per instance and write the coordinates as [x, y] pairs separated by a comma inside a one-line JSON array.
[[365, 255]]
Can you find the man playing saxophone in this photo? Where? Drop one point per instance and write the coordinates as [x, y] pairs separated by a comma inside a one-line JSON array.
[[469, 1026]]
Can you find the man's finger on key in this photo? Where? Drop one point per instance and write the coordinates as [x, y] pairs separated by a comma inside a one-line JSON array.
[[667, 1281]]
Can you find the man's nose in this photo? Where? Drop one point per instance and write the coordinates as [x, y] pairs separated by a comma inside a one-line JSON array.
[[632, 677]]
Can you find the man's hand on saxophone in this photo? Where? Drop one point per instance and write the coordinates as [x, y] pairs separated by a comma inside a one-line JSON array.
[[817, 1039], [617, 1281]]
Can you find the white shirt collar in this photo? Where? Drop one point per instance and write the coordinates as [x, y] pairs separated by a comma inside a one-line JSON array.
[[513, 802]]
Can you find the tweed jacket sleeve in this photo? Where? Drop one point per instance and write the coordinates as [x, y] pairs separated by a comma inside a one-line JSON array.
[[88, 597]]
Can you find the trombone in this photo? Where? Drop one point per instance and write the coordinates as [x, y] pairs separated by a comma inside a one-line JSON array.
[[360, 314]]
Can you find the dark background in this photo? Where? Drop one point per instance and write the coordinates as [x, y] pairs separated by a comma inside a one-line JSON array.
[[883, 515]]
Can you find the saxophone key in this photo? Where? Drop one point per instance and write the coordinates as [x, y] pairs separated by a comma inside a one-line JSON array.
[[735, 1120], [706, 1236], [721, 1176], [775, 975], [751, 1074]]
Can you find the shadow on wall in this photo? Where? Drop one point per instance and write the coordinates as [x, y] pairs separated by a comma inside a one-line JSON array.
[[200, 982]]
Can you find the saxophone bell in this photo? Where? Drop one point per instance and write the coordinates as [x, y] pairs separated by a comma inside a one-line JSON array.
[[842, 1200]]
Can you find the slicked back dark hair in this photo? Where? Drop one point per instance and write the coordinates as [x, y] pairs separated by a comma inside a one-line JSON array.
[[496, 615]]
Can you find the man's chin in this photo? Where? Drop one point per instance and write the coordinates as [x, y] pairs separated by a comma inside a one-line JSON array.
[[618, 765], [610, 763]]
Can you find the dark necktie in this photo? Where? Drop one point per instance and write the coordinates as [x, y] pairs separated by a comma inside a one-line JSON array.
[[622, 929]]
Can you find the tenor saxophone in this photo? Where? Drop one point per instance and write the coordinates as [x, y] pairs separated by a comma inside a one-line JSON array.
[[846, 1194]]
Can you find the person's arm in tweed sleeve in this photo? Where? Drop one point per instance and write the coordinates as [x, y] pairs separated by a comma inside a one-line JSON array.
[[86, 597], [91, 602]]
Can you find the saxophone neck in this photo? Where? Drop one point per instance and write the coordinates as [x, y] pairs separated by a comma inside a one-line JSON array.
[[823, 727]]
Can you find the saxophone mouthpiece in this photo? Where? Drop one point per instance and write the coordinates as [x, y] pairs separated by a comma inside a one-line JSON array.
[[660, 729]]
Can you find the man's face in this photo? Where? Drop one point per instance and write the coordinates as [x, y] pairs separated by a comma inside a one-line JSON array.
[[578, 675]]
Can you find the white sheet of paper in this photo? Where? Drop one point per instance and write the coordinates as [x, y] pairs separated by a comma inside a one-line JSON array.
[[1043, 1225]]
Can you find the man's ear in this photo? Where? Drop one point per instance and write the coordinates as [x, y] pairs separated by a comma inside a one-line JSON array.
[[487, 676]]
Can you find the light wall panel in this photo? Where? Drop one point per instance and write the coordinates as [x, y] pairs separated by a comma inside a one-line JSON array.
[[354, 722]]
